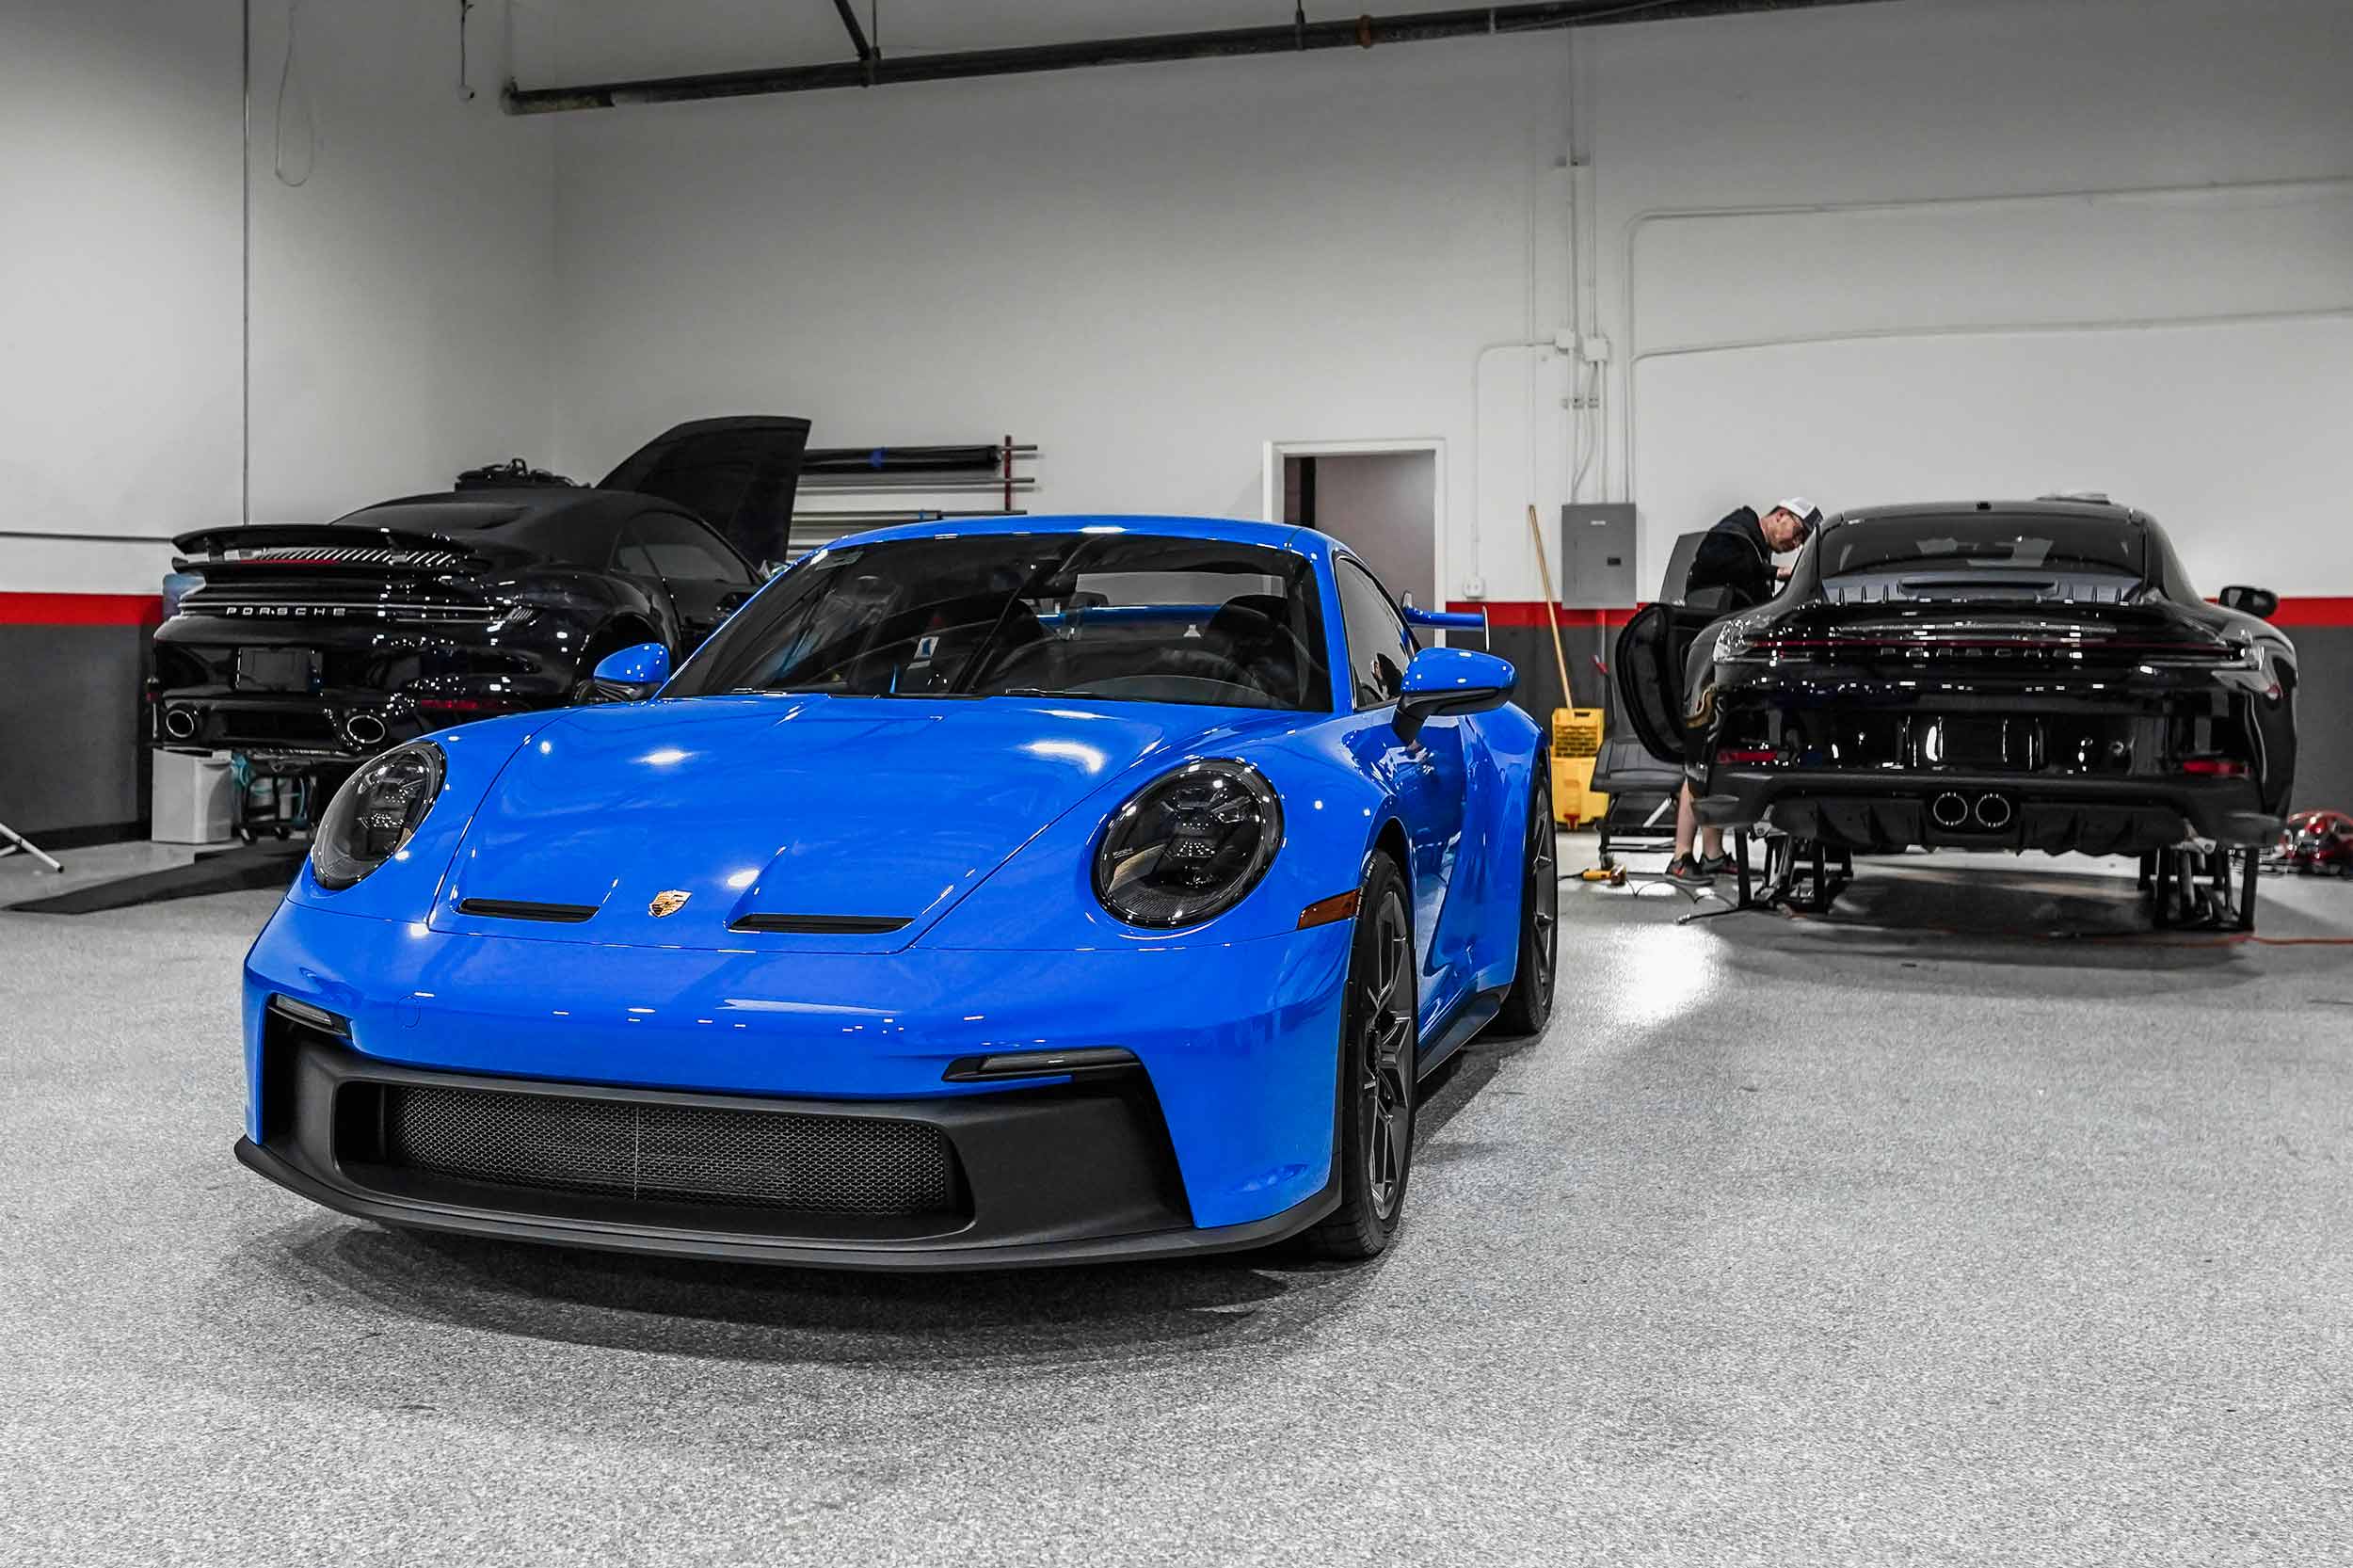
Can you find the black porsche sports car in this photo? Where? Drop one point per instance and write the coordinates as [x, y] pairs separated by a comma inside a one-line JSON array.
[[329, 642], [2022, 675]]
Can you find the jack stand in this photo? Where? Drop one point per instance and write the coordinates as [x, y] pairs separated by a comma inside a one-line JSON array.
[[16, 843]]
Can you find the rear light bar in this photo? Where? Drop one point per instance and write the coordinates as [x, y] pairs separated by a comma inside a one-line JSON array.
[[1737, 755], [2016, 645], [474, 705], [2214, 767]]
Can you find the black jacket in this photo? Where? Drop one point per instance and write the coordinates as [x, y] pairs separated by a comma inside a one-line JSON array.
[[1735, 560]]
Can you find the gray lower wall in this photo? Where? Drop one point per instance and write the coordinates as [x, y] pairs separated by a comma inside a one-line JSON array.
[[72, 761], [2324, 717], [73, 765]]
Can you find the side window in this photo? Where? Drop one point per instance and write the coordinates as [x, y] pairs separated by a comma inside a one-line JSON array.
[[1379, 644], [685, 551], [629, 556]]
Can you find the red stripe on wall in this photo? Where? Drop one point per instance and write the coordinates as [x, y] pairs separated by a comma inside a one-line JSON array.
[[2316, 611], [1504, 612], [22, 609]]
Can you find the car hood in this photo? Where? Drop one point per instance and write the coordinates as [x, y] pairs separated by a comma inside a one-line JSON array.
[[738, 475], [834, 813]]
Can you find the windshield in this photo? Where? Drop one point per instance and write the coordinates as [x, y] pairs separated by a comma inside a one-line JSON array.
[[1983, 544], [1123, 617]]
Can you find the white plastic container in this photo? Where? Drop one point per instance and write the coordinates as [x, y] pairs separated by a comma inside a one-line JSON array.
[[196, 799]]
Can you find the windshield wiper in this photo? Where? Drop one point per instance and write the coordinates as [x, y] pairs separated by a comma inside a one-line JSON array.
[[1040, 574]]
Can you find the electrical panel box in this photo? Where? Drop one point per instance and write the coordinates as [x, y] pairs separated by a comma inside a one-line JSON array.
[[1597, 556]]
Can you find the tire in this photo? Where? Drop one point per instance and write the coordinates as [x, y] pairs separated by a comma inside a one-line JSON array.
[[1528, 1006], [1372, 1140]]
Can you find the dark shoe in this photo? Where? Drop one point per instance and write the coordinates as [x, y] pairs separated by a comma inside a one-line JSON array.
[[1715, 864], [1683, 868]]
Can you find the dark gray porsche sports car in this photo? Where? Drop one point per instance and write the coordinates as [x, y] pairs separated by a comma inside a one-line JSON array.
[[2021, 675]]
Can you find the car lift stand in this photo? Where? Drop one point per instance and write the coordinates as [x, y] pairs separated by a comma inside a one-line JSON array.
[[1801, 876]]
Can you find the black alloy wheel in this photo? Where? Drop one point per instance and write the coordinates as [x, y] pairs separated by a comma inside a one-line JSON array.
[[1373, 1146], [1528, 1006]]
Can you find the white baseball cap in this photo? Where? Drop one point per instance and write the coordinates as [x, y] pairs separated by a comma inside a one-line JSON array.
[[1803, 510]]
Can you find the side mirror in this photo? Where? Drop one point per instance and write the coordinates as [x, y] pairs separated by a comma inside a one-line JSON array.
[[1450, 681], [632, 674], [2259, 602]]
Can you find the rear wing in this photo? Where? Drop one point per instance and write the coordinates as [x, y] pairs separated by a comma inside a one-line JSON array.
[[328, 545], [1451, 621]]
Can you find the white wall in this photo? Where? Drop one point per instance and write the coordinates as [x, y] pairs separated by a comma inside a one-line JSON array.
[[2231, 430], [1152, 271], [402, 289], [119, 282]]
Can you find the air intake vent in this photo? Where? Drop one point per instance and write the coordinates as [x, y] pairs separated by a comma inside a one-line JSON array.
[[821, 925], [874, 1166], [517, 909]]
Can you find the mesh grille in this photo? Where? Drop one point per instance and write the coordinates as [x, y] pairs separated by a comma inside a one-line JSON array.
[[818, 1164]]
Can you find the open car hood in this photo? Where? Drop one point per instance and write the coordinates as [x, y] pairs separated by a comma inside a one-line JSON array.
[[839, 825], [738, 474]]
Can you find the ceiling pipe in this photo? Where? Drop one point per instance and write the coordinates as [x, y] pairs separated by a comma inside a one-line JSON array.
[[1359, 32]]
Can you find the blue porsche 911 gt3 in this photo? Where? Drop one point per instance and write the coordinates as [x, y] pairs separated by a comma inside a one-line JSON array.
[[979, 894]]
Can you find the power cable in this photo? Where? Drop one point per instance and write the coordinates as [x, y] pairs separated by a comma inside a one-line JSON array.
[[288, 85]]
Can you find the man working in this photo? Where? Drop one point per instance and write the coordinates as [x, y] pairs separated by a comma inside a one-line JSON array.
[[1733, 571]]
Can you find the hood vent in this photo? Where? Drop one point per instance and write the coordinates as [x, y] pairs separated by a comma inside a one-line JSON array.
[[517, 909], [821, 925]]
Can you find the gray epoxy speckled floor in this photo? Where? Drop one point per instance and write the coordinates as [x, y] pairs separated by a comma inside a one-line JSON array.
[[1891, 1239]]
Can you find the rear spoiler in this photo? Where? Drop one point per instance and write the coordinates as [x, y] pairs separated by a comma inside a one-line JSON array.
[[1455, 620], [329, 544]]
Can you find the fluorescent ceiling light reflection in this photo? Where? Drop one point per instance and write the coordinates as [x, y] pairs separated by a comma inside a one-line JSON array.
[[1087, 756]]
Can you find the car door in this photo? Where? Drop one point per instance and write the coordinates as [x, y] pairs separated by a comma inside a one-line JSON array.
[[1648, 663], [1651, 658], [705, 579], [1426, 777]]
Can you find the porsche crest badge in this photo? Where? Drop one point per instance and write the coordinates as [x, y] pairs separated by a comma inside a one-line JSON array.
[[668, 902]]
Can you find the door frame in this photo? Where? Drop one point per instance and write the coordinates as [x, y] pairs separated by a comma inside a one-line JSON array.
[[1270, 489]]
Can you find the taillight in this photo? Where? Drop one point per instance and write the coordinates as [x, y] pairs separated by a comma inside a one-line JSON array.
[[2214, 767], [1746, 756]]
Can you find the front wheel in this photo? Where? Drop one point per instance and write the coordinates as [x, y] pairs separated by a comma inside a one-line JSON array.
[[1372, 1144], [1528, 1006]]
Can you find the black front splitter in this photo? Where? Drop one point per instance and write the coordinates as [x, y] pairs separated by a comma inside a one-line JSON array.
[[737, 1246]]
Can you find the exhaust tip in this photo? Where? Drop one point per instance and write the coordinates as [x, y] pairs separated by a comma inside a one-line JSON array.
[[1994, 811], [180, 722], [1949, 810], [364, 729]]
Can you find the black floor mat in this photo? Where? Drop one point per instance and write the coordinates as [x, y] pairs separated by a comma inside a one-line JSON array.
[[228, 871]]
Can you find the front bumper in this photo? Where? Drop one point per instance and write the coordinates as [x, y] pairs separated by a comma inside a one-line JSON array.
[[1880, 811], [1063, 1174], [1220, 1137]]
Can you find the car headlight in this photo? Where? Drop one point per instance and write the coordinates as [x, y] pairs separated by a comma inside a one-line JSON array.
[[374, 813], [1190, 845]]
